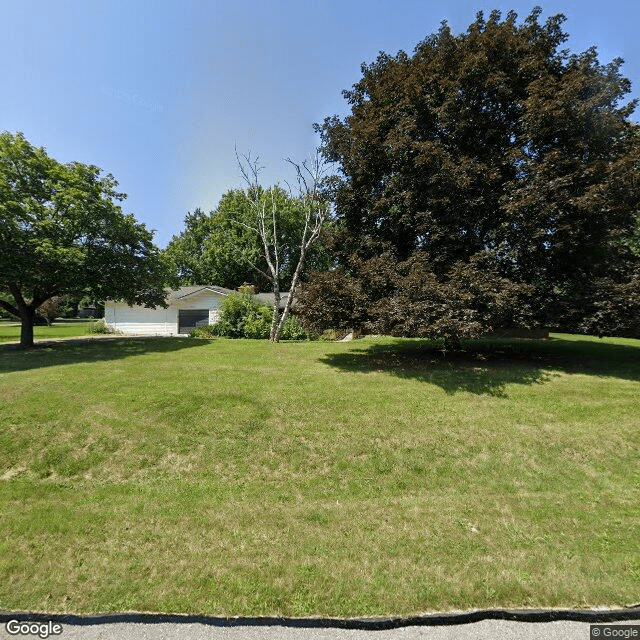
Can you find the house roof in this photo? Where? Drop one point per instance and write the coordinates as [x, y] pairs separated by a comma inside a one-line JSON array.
[[267, 298], [183, 292]]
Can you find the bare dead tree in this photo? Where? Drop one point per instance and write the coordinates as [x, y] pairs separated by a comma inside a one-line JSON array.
[[314, 207]]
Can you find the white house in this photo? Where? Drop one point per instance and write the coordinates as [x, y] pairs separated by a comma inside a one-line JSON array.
[[189, 307]]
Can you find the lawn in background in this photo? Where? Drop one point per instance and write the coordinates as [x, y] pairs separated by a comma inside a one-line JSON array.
[[375, 477], [10, 329]]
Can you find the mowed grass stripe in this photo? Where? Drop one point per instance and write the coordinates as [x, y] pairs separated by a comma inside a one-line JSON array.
[[10, 329], [367, 478]]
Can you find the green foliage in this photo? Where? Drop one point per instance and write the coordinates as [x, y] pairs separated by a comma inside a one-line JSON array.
[[207, 332], [293, 330], [68, 306], [257, 324], [50, 309], [235, 310], [99, 327], [62, 231], [494, 146], [330, 335], [242, 316], [219, 248]]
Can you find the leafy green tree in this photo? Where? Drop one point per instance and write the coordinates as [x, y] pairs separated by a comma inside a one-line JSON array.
[[62, 232], [494, 148], [219, 247], [215, 248]]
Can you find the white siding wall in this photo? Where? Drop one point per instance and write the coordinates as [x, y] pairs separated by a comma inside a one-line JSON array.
[[158, 322]]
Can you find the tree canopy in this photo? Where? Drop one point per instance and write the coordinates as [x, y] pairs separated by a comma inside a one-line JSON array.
[[62, 231], [222, 248], [491, 178]]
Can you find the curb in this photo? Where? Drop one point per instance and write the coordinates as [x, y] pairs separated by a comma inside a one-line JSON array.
[[364, 624]]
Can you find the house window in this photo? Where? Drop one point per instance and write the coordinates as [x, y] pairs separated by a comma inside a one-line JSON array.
[[189, 319]]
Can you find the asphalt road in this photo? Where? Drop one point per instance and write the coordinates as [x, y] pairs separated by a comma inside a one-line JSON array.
[[490, 629], [485, 630]]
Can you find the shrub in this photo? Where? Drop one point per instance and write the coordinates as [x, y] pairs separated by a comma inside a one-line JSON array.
[[242, 316], [235, 310], [206, 333], [292, 330], [99, 327], [222, 328], [258, 323], [68, 307], [331, 335]]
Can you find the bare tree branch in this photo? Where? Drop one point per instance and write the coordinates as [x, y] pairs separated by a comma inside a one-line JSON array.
[[310, 176]]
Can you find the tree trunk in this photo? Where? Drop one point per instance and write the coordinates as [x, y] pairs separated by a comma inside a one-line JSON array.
[[27, 317], [294, 282], [26, 311], [274, 334]]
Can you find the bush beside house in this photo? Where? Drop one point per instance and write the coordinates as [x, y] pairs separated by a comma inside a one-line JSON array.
[[243, 316]]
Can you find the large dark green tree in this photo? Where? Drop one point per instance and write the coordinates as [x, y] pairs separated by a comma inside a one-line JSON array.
[[490, 179], [62, 231]]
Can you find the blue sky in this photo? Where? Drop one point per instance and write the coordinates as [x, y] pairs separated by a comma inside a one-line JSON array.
[[158, 93]]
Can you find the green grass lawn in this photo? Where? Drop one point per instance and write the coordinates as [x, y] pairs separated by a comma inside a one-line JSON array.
[[366, 478], [10, 329]]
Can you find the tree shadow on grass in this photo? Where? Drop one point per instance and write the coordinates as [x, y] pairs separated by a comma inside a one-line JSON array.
[[488, 366], [77, 350]]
